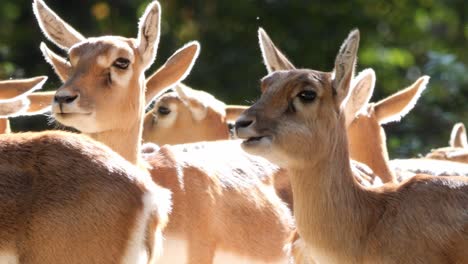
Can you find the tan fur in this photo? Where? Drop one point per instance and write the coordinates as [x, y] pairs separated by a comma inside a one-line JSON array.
[[422, 220], [11, 90], [16, 99], [68, 199], [220, 201], [458, 149], [184, 126]]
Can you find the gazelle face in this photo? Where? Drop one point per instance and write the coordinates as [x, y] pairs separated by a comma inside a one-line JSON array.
[[103, 79], [191, 117], [299, 112], [295, 111]]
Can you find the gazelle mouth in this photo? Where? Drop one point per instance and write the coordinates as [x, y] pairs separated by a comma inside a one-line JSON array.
[[257, 140]]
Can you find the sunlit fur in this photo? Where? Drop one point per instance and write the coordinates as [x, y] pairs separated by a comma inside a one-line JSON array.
[[68, 199], [197, 116], [458, 149], [223, 198], [15, 100], [422, 220]]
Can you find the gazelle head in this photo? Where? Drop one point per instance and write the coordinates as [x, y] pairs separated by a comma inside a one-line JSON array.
[[458, 146], [187, 115], [103, 94], [367, 142], [103, 75], [298, 109], [15, 99]]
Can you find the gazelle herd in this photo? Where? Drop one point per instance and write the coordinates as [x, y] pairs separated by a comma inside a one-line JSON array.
[[301, 176]]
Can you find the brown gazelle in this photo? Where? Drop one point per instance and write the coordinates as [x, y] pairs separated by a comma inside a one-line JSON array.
[[299, 122], [458, 146], [187, 115], [367, 143], [219, 204], [68, 199], [18, 100]]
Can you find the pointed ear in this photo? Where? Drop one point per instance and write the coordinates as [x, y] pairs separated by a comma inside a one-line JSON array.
[[13, 108], [186, 94], [458, 138], [274, 59], [148, 33], [60, 65], [54, 28], [11, 90], [344, 66], [234, 111], [362, 88], [40, 102], [394, 107], [176, 69]]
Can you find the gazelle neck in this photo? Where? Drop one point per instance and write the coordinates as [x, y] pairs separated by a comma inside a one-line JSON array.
[[332, 211], [127, 140]]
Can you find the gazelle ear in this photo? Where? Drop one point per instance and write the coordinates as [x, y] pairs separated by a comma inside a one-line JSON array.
[[11, 90], [13, 108], [395, 106], [176, 69], [148, 33], [362, 88], [60, 65], [344, 66], [274, 59], [234, 111], [199, 109], [458, 138], [54, 28], [40, 102]]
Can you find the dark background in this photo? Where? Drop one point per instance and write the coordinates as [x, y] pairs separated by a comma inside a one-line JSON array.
[[400, 39]]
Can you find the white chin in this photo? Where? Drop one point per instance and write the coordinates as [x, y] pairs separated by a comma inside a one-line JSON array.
[[85, 123], [258, 146]]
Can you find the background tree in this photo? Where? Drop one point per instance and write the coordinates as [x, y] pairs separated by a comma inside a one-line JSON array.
[[400, 39]]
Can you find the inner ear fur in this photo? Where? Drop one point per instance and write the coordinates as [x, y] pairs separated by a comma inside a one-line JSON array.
[[54, 28], [344, 66], [175, 70], [395, 106], [59, 64], [12, 90], [362, 87], [274, 59], [458, 138], [148, 33]]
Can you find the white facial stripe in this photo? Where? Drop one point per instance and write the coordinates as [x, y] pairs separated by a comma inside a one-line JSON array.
[[122, 77], [103, 61], [168, 121]]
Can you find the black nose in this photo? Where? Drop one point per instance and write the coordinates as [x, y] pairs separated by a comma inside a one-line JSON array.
[[241, 123], [65, 99]]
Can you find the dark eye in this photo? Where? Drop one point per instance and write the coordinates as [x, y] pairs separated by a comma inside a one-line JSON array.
[[307, 96], [121, 63], [164, 110]]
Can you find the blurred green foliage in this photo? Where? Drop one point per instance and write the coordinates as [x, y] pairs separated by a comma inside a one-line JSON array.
[[400, 39]]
